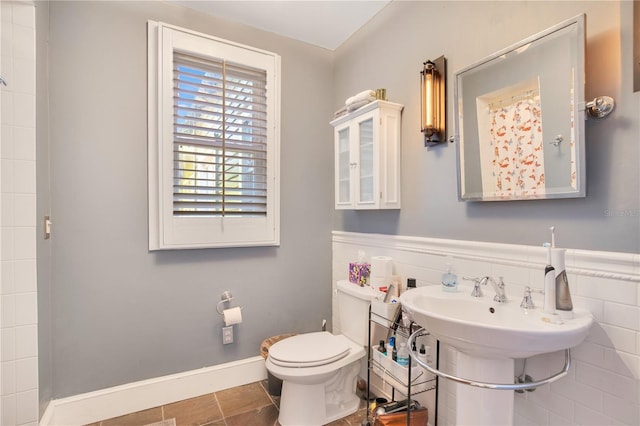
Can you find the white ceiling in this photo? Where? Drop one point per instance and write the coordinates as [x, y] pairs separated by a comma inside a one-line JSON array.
[[324, 23]]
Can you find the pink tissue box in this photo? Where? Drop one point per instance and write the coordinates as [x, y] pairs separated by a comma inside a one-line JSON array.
[[359, 273]]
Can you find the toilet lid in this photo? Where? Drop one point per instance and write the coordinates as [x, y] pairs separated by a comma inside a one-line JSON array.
[[308, 350]]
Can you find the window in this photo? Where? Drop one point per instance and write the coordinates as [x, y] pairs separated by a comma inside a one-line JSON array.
[[213, 142]]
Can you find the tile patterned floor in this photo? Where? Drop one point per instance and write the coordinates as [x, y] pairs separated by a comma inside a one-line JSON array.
[[248, 405]]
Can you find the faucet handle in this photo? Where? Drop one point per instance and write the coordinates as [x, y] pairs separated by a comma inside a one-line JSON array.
[[527, 300], [477, 291]]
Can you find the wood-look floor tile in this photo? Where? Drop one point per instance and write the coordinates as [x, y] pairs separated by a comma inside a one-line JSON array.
[[357, 418], [140, 418], [242, 399], [339, 422], [195, 411], [265, 416]]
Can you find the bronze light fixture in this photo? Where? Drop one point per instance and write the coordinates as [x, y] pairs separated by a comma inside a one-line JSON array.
[[433, 101]]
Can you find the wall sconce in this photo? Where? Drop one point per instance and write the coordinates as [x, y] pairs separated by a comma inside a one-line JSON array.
[[600, 107], [433, 83]]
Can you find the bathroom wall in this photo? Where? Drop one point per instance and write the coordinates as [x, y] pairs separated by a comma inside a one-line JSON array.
[[603, 384], [389, 52], [18, 291], [119, 313]]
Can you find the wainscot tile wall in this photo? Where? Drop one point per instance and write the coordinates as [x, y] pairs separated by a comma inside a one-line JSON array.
[[603, 384], [18, 293]]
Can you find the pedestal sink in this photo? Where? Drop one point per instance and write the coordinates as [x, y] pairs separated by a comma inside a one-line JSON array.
[[489, 336]]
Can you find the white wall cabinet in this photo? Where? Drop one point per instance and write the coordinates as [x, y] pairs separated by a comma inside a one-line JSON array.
[[367, 157]]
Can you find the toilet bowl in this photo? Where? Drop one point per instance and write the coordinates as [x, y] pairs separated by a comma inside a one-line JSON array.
[[319, 370], [319, 373]]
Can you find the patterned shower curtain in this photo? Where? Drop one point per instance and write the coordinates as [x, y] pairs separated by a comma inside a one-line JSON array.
[[516, 141]]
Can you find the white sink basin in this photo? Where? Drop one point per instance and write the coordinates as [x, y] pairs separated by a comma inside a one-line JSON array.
[[484, 328]]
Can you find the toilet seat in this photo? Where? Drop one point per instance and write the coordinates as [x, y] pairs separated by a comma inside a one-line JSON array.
[[308, 350]]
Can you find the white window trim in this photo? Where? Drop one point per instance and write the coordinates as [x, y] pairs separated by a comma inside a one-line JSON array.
[[167, 232]]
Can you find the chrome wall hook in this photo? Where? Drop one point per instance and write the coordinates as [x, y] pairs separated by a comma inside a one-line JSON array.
[[3, 81], [557, 140], [600, 106]]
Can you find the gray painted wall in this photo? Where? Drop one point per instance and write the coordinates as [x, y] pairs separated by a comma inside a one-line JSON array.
[[119, 313], [389, 51]]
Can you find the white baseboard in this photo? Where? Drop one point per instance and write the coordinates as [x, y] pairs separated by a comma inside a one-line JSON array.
[[124, 399]]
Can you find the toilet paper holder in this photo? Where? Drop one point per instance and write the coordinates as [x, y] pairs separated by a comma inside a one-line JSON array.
[[226, 297]]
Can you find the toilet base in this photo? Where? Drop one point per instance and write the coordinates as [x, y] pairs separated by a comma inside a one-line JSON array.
[[322, 403]]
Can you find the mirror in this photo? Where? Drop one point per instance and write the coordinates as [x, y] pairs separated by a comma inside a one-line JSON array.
[[520, 119]]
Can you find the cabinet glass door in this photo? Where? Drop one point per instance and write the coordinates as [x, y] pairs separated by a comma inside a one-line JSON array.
[[344, 166], [365, 150]]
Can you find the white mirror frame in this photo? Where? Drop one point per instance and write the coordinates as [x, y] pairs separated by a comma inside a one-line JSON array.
[[553, 140]]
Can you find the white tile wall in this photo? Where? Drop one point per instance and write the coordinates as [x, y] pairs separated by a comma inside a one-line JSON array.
[[603, 384], [18, 297]]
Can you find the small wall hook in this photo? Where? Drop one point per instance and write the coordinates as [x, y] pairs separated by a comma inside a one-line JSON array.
[[600, 106], [557, 140], [3, 81]]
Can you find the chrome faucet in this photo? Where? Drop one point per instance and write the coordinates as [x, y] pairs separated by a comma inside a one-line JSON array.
[[498, 287]]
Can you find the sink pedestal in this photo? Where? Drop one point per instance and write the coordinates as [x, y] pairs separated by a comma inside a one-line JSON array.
[[480, 406]]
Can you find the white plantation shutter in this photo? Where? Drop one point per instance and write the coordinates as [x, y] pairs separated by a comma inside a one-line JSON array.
[[215, 156], [219, 138]]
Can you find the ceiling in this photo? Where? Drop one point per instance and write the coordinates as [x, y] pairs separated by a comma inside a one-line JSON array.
[[324, 23]]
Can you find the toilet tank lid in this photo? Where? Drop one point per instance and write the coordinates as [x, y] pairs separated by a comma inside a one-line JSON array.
[[365, 292], [310, 349]]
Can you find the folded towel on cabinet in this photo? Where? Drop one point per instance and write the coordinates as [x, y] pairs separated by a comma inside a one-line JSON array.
[[364, 95], [354, 106]]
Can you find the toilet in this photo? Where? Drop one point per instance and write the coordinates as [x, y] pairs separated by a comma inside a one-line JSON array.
[[319, 370]]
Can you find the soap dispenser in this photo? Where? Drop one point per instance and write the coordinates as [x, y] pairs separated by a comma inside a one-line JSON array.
[[449, 278]]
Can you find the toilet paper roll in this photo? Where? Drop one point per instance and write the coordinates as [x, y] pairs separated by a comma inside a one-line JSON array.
[[232, 316], [381, 266]]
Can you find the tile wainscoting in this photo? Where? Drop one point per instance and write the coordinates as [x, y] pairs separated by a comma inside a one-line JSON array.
[[603, 385], [18, 280]]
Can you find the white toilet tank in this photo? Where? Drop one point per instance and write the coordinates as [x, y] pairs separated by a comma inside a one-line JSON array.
[[353, 310]]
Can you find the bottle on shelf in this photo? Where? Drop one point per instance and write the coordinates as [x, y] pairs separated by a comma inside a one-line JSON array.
[[403, 355], [412, 360], [382, 348], [391, 347], [425, 354]]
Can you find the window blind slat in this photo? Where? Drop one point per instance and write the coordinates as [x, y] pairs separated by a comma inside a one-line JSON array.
[[252, 105], [205, 112], [238, 155], [203, 143], [212, 129]]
